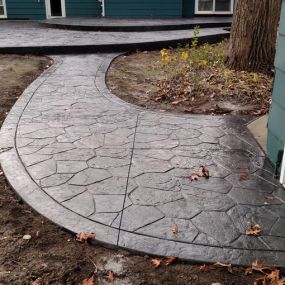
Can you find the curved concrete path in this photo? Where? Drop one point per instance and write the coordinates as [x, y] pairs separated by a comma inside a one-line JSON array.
[[90, 162]]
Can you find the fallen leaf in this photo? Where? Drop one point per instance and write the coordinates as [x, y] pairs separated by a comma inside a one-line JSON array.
[[88, 281], [170, 260], [205, 172], [176, 102], [254, 230], [270, 279], [156, 262], [281, 281], [44, 265], [193, 177], [248, 271], [271, 198], [243, 176], [216, 284], [111, 276], [222, 265], [27, 237], [274, 276], [259, 267], [84, 237], [175, 229], [38, 281], [188, 110], [1, 173], [205, 268]]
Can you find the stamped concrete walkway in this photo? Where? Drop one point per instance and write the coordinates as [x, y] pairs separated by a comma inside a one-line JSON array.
[[90, 162]]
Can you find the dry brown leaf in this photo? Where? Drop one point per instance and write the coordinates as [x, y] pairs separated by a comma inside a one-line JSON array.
[[194, 177], [176, 102], [111, 276], [222, 265], [38, 281], [188, 110], [271, 198], [254, 230], [170, 260], [156, 262], [88, 281], [175, 229], [259, 267], [272, 278], [243, 176], [205, 268], [205, 172], [84, 237], [248, 271], [216, 284], [281, 281]]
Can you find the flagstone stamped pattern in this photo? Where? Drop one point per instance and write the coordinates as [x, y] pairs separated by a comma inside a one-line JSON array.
[[90, 162]]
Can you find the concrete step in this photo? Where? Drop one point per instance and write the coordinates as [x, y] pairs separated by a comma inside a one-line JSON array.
[[135, 25]]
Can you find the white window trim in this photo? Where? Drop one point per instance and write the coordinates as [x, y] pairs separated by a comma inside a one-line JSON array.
[[282, 176], [103, 7], [5, 11], [48, 9], [213, 12]]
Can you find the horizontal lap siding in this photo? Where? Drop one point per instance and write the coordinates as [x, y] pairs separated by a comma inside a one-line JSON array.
[[76, 8], [276, 126], [146, 8], [188, 8], [26, 9]]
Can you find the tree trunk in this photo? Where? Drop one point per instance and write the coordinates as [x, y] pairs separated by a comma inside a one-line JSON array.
[[253, 36]]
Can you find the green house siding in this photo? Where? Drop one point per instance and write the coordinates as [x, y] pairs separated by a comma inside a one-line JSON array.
[[75, 8], [143, 9], [26, 9], [276, 126], [36, 10], [188, 8]]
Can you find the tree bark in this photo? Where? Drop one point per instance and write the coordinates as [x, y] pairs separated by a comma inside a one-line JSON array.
[[253, 35]]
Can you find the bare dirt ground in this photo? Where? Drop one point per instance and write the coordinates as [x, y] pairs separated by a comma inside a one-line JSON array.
[[186, 80], [52, 256]]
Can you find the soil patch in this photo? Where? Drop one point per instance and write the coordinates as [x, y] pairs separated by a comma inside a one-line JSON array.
[[52, 256], [191, 79]]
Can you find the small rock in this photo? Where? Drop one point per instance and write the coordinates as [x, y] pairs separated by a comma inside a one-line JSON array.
[[27, 237]]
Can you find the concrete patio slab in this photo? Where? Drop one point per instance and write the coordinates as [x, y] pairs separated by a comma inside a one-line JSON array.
[[91, 162], [135, 25], [30, 38]]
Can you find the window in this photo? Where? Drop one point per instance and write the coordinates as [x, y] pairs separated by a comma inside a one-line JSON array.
[[214, 6], [2, 9]]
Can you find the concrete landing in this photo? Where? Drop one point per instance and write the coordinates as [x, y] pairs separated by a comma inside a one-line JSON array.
[[135, 25], [31, 38]]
